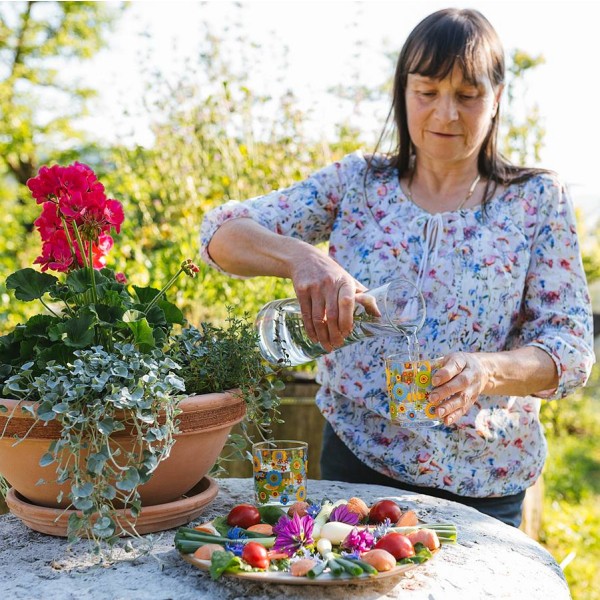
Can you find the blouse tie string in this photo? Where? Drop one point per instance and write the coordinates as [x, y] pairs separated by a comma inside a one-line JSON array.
[[433, 227]]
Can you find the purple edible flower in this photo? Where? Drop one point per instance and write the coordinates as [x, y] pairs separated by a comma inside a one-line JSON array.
[[358, 540], [341, 514], [292, 534]]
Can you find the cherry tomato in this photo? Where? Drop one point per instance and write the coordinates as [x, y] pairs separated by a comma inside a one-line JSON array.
[[243, 515], [398, 545], [255, 555], [384, 509]]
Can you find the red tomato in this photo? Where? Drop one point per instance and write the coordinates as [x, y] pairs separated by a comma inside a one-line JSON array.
[[244, 516], [384, 509], [398, 545], [255, 555]]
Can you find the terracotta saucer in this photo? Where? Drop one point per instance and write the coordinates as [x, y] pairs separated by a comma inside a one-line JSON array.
[[53, 521]]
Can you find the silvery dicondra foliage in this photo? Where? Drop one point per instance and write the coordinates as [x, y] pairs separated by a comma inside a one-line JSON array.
[[104, 355]]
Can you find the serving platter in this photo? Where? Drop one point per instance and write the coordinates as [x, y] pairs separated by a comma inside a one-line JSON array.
[[282, 577]]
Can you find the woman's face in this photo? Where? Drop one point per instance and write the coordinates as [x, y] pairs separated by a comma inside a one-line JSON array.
[[448, 119]]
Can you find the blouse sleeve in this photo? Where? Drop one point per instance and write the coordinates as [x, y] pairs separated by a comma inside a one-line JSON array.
[[557, 308], [305, 210]]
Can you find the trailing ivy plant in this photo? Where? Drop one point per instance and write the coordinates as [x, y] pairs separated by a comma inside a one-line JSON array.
[[99, 394]]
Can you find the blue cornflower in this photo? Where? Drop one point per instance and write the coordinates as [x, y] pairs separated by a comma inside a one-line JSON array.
[[236, 533], [236, 547], [313, 510]]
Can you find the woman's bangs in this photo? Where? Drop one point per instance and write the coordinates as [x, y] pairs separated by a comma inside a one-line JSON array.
[[437, 61]]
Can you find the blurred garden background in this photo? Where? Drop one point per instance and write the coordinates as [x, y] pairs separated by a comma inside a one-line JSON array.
[[205, 121]]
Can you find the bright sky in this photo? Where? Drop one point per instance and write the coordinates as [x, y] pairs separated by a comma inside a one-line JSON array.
[[320, 36]]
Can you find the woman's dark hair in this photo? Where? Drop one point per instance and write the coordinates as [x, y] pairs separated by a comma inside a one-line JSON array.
[[446, 38]]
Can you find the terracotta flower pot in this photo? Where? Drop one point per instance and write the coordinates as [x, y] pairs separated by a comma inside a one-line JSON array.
[[205, 423]]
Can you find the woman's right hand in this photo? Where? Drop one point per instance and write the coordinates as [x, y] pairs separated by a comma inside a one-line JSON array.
[[326, 293]]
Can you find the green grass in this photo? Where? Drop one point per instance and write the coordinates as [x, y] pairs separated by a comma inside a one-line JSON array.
[[571, 513]]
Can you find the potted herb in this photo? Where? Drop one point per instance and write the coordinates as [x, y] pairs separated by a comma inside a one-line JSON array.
[[109, 381]]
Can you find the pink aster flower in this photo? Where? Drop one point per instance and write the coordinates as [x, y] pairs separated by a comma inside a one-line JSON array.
[[292, 534], [341, 514], [358, 540]]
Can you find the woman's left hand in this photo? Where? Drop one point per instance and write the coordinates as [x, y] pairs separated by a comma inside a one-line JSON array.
[[457, 385]]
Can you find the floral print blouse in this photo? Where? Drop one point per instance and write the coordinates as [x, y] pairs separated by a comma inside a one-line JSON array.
[[492, 280]]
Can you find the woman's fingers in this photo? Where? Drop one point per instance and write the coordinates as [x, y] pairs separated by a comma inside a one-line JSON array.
[[454, 408], [458, 383], [327, 312], [453, 365]]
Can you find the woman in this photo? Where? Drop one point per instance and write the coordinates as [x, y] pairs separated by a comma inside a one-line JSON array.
[[491, 246]]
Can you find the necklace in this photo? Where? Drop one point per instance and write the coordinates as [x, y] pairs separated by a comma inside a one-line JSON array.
[[467, 198]]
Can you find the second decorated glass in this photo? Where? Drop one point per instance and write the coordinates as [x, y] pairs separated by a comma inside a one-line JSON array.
[[280, 471]]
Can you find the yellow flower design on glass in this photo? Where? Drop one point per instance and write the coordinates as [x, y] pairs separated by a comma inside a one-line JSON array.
[[280, 456], [301, 494], [430, 410]]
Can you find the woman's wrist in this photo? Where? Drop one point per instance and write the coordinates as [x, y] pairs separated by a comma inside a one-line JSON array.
[[520, 372]]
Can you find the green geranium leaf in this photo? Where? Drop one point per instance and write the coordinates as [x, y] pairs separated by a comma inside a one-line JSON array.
[[77, 332], [109, 313], [145, 295], [38, 326], [30, 284], [58, 353], [156, 316], [80, 280], [172, 313], [142, 332]]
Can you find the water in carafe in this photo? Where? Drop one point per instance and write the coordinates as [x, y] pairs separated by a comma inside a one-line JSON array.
[[394, 308]]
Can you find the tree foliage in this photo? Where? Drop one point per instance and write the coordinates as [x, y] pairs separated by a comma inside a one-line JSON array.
[[38, 101], [522, 128]]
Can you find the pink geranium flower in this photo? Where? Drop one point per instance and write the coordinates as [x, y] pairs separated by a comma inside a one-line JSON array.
[[46, 185], [48, 223], [75, 205], [56, 254], [113, 214]]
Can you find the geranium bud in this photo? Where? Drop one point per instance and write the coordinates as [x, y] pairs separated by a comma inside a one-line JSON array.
[[189, 268]]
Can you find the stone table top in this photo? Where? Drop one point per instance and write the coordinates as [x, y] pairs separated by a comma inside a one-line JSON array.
[[490, 560]]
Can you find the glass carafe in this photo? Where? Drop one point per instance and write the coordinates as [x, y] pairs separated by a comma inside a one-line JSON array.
[[396, 307]]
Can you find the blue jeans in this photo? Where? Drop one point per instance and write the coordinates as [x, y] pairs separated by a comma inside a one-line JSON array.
[[338, 463]]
